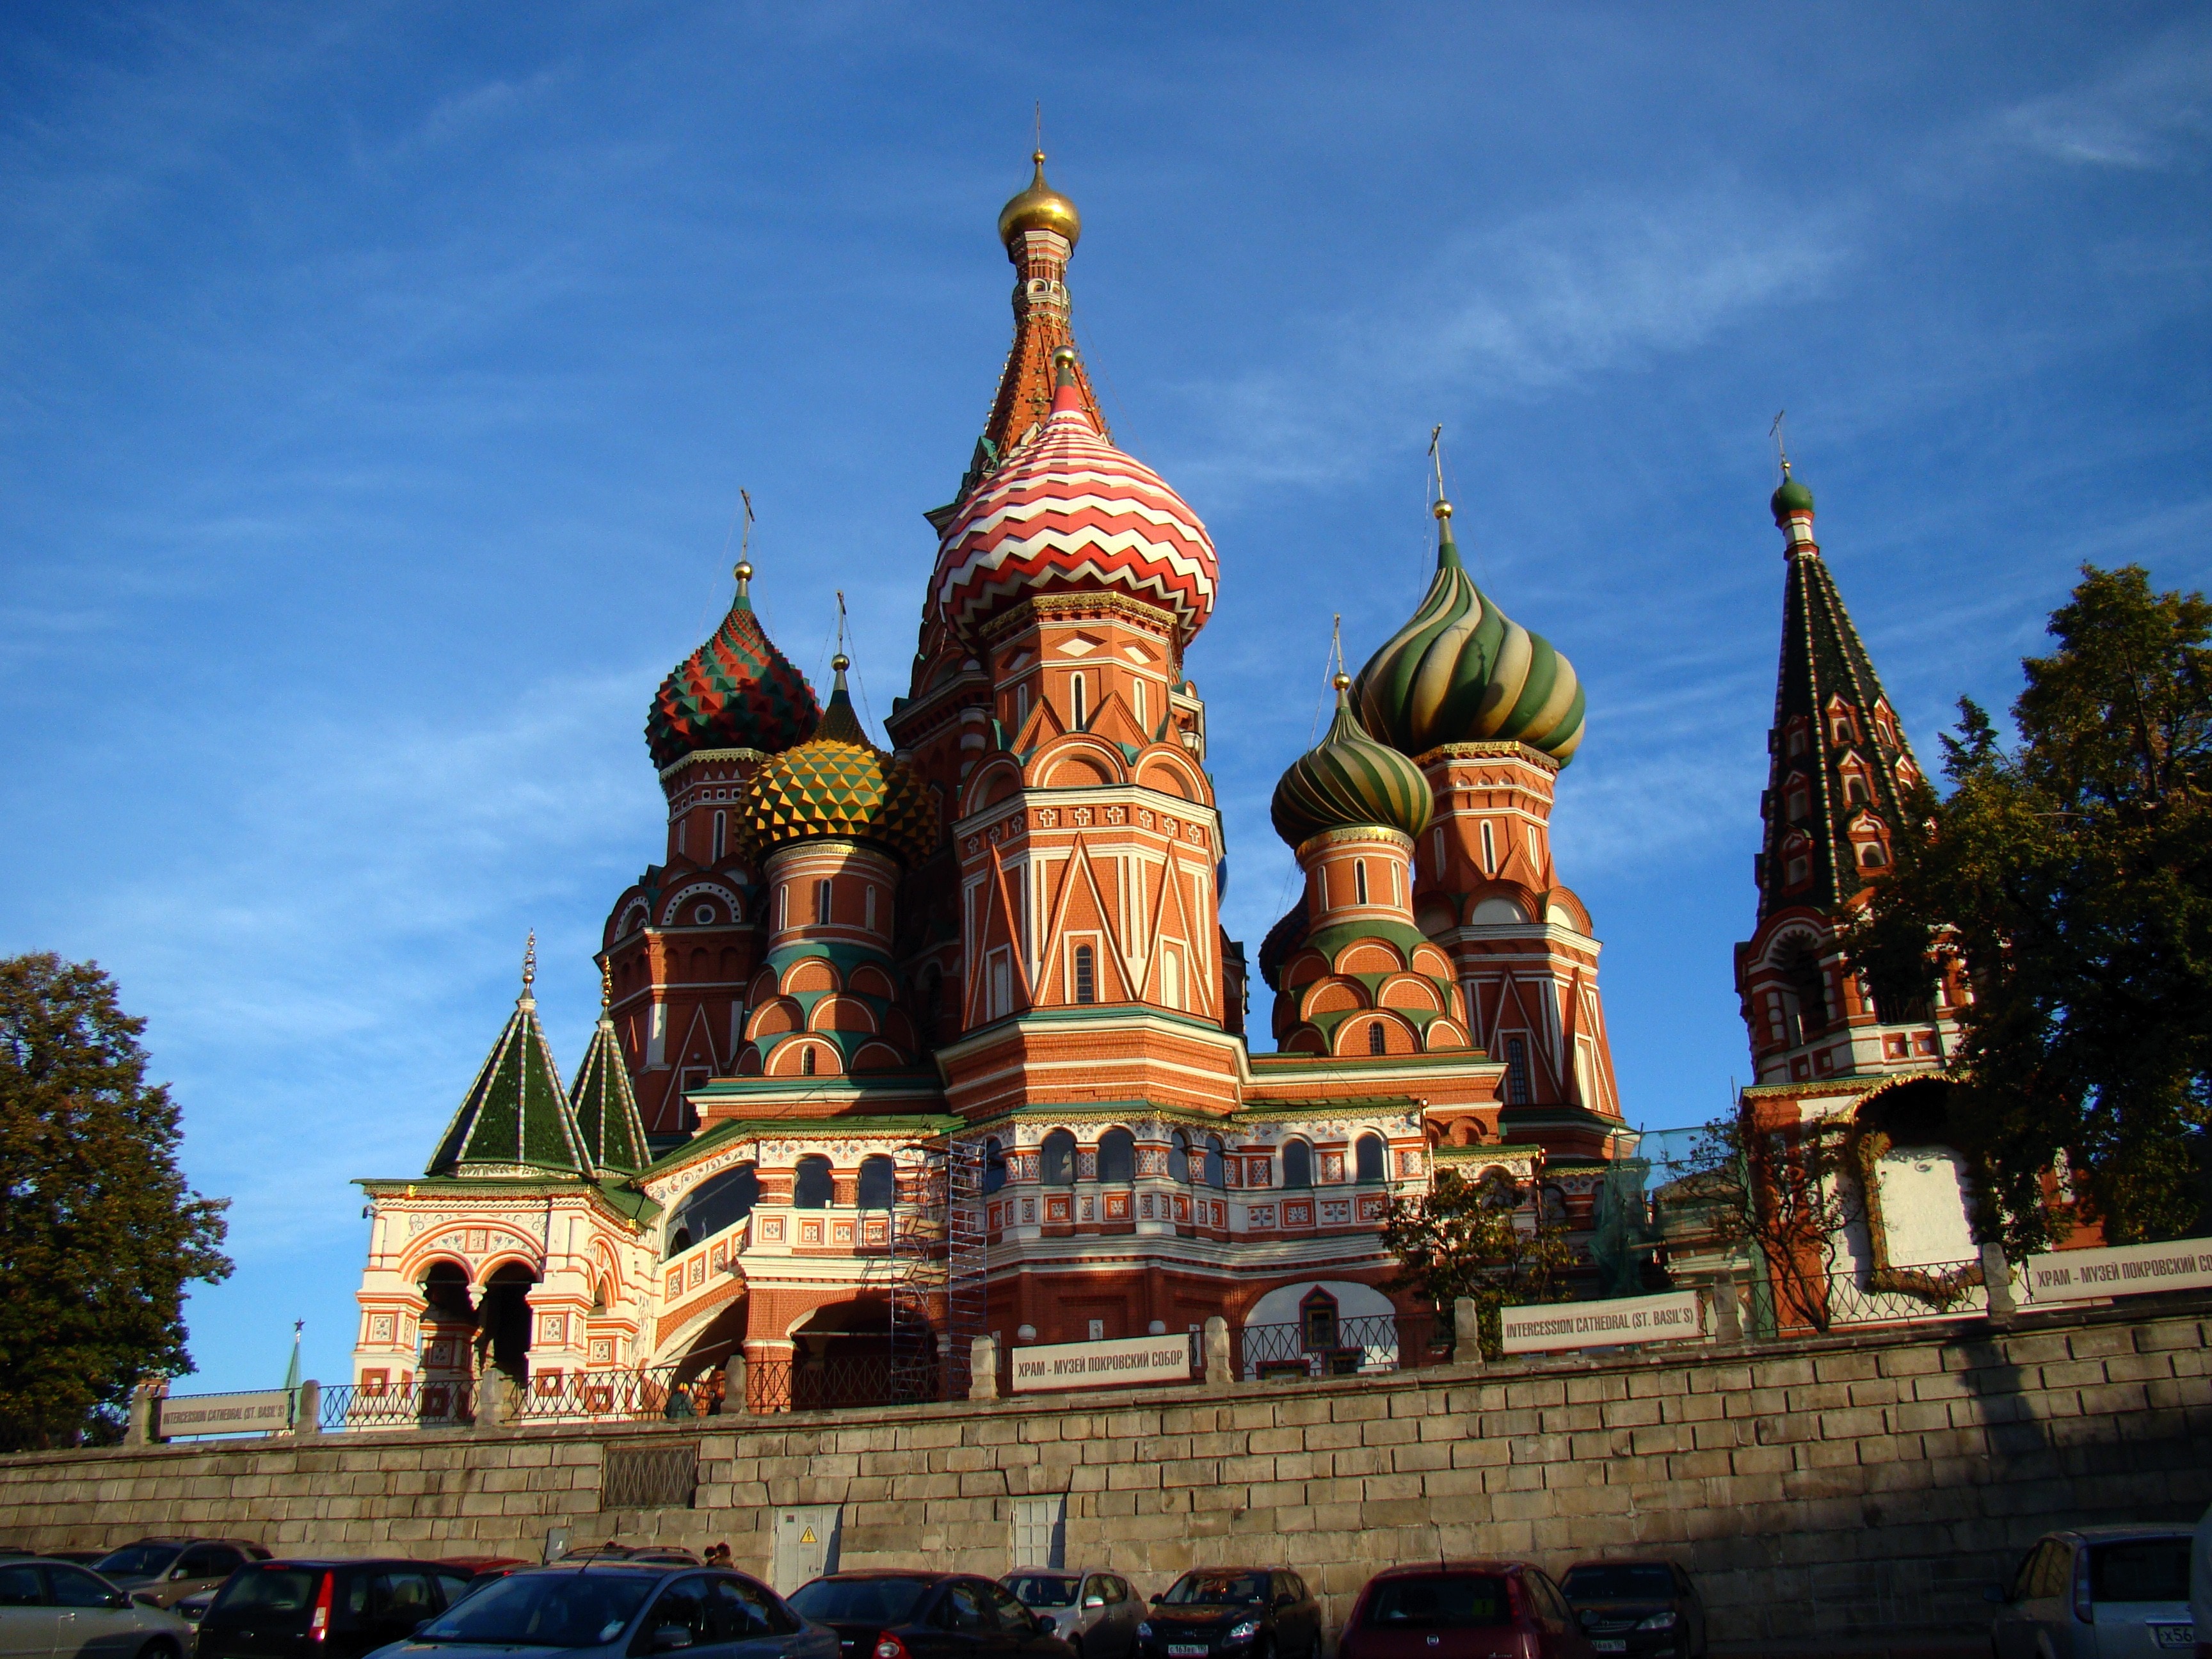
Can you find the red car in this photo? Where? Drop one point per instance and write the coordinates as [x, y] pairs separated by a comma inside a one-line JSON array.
[[1462, 1610]]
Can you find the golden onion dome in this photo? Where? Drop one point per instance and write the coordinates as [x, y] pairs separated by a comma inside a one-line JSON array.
[[1039, 208], [839, 784]]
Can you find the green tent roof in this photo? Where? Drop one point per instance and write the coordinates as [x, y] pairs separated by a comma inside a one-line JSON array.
[[516, 1115], [605, 1107]]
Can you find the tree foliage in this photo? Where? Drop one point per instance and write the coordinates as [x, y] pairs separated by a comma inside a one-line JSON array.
[[1790, 1197], [1473, 1238], [98, 1234], [2072, 877]]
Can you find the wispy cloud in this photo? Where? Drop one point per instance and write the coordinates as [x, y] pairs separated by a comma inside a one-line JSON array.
[[2152, 111]]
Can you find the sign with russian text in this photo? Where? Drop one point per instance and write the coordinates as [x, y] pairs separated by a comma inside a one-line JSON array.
[[2123, 1270], [265, 1411], [1102, 1365], [1553, 1326]]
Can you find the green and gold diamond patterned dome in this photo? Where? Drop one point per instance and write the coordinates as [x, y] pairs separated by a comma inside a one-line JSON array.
[[1348, 779], [839, 784], [1460, 671]]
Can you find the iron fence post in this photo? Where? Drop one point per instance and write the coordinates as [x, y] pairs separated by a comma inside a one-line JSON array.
[[1728, 1320], [734, 1398]]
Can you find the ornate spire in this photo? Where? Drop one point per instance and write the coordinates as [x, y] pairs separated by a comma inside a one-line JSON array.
[[601, 1100], [1840, 764], [514, 1120], [1460, 671], [1039, 227]]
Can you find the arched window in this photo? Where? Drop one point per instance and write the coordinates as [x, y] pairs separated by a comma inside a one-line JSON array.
[[1855, 790], [878, 1183], [1117, 1156], [1179, 1156], [821, 903], [1298, 1164], [1171, 979], [1871, 856], [1367, 1158], [1489, 850], [1137, 691], [1360, 881], [1075, 689], [806, 1061], [1516, 1072], [445, 1288], [721, 832], [812, 1189], [1378, 1039], [872, 907], [1798, 795], [1216, 1166], [1317, 1321], [715, 1203], [994, 1166], [1086, 974], [1059, 1159]]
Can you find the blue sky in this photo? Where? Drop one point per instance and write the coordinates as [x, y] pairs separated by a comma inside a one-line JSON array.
[[377, 382]]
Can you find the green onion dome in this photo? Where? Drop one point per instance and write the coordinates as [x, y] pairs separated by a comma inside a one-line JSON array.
[[839, 784], [1462, 672], [736, 691], [1791, 498], [1349, 780]]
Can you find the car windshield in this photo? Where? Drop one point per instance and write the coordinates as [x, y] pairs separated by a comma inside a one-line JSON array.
[[859, 1601], [546, 1610], [1454, 1601], [1619, 1585], [1044, 1590], [1218, 1587], [2140, 1569], [139, 1560], [277, 1594]]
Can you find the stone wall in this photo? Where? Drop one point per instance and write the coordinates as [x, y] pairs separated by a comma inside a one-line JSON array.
[[1853, 1484]]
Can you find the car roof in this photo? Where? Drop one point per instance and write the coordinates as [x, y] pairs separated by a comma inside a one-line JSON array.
[[1623, 1561], [2139, 1530], [346, 1561], [1416, 1569]]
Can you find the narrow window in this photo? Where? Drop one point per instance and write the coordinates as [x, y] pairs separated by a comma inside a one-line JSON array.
[[1436, 851], [1360, 881], [1397, 885], [994, 1167], [1872, 857], [782, 906], [1298, 1164], [1367, 1158], [1021, 706], [1086, 978], [1215, 1167], [1117, 1156], [1179, 1156], [806, 1061], [1378, 1039], [1535, 846], [820, 903], [721, 830], [813, 1187], [878, 1183], [681, 824], [1855, 790], [1002, 985], [1170, 979], [1075, 698], [1489, 851], [1059, 1159], [1137, 691], [1516, 1072], [872, 909]]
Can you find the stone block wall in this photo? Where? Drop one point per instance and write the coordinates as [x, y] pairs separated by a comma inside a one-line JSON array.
[[1871, 1484]]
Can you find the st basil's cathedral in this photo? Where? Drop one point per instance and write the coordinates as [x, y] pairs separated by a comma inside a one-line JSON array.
[[898, 1049]]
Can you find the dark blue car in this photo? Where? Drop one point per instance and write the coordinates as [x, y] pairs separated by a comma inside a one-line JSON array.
[[620, 1610]]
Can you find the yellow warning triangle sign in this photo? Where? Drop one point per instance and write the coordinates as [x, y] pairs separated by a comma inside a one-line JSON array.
[[807, 1536]]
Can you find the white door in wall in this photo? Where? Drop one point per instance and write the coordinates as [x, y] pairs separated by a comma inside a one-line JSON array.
[[806, 1544]]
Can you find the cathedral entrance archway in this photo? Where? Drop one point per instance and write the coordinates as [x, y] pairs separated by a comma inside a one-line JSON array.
[[503, 1321]]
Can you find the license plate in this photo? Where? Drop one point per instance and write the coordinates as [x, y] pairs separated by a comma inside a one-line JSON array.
[[1186, 1651], [1610, 1644], [2174, 1636]]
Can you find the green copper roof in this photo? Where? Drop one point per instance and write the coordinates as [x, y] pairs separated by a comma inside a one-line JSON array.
[[1347, 780], [1791, 498], [1462, 672], [515, 1116], [602, 1105]]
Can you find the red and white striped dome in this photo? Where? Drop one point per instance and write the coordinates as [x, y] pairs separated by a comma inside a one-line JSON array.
[[1069, 512]]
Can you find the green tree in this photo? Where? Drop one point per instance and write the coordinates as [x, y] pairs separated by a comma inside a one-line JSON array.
[[98, 1234], [1787, 1199], [1465, 1238], [2071, 876]]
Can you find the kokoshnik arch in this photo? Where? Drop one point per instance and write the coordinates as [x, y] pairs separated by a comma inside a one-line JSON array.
[[898, 1049]]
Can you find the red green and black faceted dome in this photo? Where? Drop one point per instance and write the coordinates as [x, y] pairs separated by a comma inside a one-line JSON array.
[[736, 691]]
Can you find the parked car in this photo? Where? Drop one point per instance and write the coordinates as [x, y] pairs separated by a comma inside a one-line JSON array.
[[1263, 1612], [2095, 1592], [2200, 1580], [1636, 1607], [166, 1570], [1095, 1612], [1462, 1610], [69, 1612], [924, 1615], [81, 1558], [333, 1609], [618, 1610], [665, 1555]]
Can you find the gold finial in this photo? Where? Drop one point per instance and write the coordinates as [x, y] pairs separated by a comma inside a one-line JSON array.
[[840, 663], [606, 985], [1441, 510], [530, 961], [1039, 208], [744, 570], [1341, 680]]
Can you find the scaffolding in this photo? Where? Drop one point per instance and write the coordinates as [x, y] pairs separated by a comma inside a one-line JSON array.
[[916, 1262], [967, 1265]]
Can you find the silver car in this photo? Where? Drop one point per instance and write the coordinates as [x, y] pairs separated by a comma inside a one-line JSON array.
[[58, 1610], [1095, 1612], [2098, 1593]]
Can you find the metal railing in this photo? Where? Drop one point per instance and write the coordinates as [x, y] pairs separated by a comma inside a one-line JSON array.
[[1364, 1344], [613, 1396], [1808, 1298], [824, 1385], [348, 1406]]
